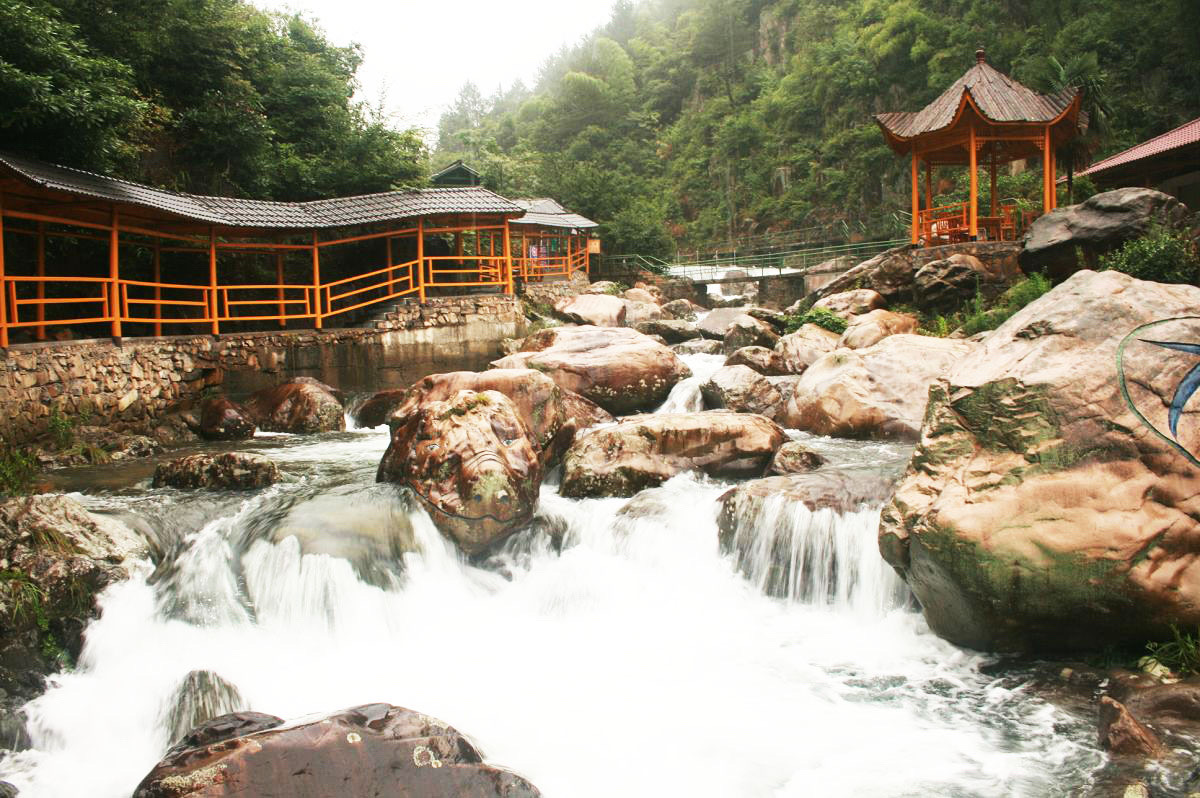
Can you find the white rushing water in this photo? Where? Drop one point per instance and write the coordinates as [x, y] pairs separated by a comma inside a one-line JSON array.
[[615, 652], [685, 395]]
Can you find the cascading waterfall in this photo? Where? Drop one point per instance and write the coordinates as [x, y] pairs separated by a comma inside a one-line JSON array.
[[612, 649], [685, 396]]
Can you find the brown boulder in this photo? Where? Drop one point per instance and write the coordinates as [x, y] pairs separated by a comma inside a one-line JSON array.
[[716, 322], [877, 392], [301, 405], [948, 284], [617, 368], [226, 471], [698, 346], [645, 451], [875, 326], [474, 464], [640, 295], [748, 331], [375, 410], [742, 390], [801, 349], [602, 310], [638, 312], [553, 414], [857, 302], [763, 360], [224, 420], [795, 458], [371, 750], [670, 330], [682, 309], [1121, 733], [1050, 505]]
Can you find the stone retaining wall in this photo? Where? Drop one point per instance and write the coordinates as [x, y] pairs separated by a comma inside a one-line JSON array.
[[128, 386], [549, 293]]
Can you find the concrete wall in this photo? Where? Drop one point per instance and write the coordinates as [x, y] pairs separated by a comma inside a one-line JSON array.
[[128, 387]]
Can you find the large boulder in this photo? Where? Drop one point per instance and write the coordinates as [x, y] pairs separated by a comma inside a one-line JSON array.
[[890, 274], [872, 328], [474, 464], [760, 358], [301, 405], [682, 309], [796, 458], [553, 414], [806, 346], [617, 368], [224, 420], [670, 330], [877, 392], [601, 310], [226, 471], [636, 294], [742, 390], [948, 284], [856, 302], [645, 451], [603, 287], [716, 322], [1052, 502], [375, 409], [748, 331], [698, 346], [1097, 225], [56, 558], [638, 312], [371, 750]]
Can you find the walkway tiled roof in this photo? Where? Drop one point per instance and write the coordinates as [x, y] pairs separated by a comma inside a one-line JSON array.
[[545, 212], [1188, 133], [230, 212], [998, 97]]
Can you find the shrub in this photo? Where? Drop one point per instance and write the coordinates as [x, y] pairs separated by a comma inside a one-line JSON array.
[[822, 317], [1162, 256], [18, 470], [982, 318]]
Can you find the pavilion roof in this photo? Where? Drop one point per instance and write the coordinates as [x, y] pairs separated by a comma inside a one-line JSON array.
[[545, 212], [247, 213], [997, 97]]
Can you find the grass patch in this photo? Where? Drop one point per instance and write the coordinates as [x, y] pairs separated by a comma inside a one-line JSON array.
[[822, 317], [981, 314], [1181, 654]]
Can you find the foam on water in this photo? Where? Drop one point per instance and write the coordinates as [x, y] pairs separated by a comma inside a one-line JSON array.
[[685, 396], [630, 658]]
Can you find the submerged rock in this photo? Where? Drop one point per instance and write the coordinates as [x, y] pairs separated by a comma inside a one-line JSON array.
[[474, 464], [1051, 504], [227, 471], [224, 420], [301, 405], [645, 451], [617, 368], [371, 750]]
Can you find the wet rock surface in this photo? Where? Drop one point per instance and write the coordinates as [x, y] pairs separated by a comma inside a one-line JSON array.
[[1047, 507], [1122, 734], [227, 471], [222, 419], [371, 750], [645, 451], [619, 369], [474, 464], [301, 405], [795, 458], [876, 392]]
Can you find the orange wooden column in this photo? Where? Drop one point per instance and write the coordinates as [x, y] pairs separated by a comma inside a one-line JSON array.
[[916, 201], [3, 284], [508, 259], [212, 281], [157, 290], [40, 330], [114, 276], [973, 210], [421, 258], [1046, 172], [570, 264], [316, 277]]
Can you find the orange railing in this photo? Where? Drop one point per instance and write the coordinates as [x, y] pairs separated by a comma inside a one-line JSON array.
[[40, 303], [390, 282], [450, 270]]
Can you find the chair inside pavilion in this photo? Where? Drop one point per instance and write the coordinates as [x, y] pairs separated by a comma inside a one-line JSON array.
[[986, 119]]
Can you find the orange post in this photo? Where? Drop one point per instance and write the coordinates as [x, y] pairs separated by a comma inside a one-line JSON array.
[[114, 266], [421, 259], [40, 330], [1046, 170], [212, 281], [157, 289], [3, 314], [973, 210], [916, 203], [508, 259], [279, 292], [316, 264], [1053, 174]]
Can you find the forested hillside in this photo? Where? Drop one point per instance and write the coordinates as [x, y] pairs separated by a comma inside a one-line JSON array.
[[208, 96], [686, 121]]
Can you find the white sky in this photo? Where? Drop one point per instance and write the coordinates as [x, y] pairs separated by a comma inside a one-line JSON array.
[[419, 53]]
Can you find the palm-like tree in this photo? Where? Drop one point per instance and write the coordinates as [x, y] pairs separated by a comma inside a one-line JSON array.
[[1081, 72]]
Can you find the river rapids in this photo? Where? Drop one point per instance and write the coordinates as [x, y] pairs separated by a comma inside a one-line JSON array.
[[610, 650]]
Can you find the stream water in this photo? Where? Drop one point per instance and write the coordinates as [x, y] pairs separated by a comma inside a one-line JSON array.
[[610, 650]]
